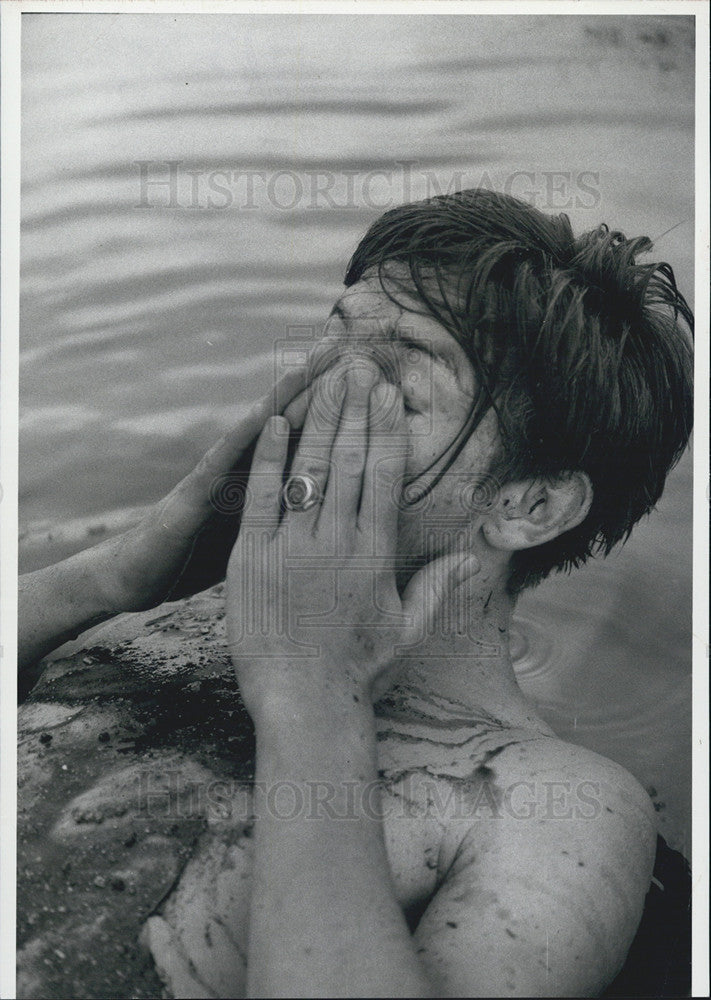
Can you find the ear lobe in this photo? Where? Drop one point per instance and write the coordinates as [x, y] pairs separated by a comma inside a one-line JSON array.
[[533, 512]]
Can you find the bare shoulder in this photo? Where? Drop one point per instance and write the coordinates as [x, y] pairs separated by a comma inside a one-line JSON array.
[[543, 894], [572, 782], [558, 801]]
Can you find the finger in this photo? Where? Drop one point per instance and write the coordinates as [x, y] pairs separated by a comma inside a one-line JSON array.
[[297, 409], [325, 384], [313, 455], [429, 590], [327, 353], [263, 498], [350, 448], [174, 966], [210, 485], [384, 469], [287, 387]]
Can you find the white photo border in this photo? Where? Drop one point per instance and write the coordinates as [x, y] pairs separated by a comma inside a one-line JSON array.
[[10, 29]]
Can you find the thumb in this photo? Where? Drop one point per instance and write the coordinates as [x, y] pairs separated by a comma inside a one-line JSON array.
[[428, 591]]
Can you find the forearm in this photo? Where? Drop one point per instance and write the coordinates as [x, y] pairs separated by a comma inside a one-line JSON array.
[[324, 919], [57, 603]]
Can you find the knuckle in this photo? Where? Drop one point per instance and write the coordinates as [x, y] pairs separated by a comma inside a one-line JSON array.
[[314, 467]]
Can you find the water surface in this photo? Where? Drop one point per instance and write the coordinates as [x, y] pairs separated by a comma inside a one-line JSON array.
[[149, 316]]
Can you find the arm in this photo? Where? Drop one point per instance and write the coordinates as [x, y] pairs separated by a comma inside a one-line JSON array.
[[181, 546], [56, 604], [324, 920]]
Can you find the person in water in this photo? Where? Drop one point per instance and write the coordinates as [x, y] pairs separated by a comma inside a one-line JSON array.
[[494, 399]]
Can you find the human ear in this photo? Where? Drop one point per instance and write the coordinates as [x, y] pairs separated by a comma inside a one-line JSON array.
[[535, 511]]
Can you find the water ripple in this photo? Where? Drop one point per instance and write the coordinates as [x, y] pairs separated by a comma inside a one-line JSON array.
[[311, 106], [531, 649], [650, 119], [128, 170], [142, 330]]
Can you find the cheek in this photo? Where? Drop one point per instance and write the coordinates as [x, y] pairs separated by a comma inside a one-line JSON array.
[[443, 519], [425, 443], [466, 492], [431, 434], [437, 525]]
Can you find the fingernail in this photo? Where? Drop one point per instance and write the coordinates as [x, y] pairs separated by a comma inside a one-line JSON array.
[[364, 375], [280, 426], [389, 400]]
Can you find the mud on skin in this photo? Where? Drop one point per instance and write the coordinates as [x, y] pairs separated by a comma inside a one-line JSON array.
[[115, 742]]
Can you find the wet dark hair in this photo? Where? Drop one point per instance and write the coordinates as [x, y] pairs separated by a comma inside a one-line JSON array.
[[585, 354]]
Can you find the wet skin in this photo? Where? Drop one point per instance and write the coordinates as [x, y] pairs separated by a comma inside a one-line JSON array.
[[315, 721], [476, 879], [413, 350]]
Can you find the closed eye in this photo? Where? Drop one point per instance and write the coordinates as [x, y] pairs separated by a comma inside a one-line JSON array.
[[427, 349]]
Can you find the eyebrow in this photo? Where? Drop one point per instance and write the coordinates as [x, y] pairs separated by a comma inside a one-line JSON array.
[[344, 314]]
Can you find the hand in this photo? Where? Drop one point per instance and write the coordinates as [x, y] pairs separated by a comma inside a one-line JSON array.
[[312, 599], [182, 544]]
